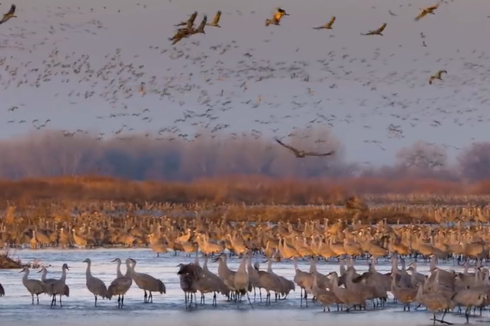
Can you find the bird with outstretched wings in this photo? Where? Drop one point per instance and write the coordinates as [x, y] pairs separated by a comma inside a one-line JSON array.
[[302, 153]]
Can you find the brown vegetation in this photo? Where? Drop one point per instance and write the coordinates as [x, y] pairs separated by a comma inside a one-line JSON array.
[[242, 190], [236, 169], [8, 263]]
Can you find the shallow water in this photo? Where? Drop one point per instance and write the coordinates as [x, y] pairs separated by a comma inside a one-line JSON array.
[[169, 309]]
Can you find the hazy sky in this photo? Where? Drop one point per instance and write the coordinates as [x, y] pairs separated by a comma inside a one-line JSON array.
[[366, 71]]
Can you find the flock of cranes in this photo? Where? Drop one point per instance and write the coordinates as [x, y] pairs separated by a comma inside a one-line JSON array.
[[439, 291], [188, 27]]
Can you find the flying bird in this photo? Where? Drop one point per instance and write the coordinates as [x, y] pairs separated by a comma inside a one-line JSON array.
[[189, 23], [215, 22], [378, 31], [8, 15], [276, 18], [425, 11], [300, 153], [181, 33], [327, 25], [437, 75], [200, 28]]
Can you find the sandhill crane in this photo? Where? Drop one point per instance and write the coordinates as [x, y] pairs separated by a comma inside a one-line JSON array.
[[253, 274], [304, 280], [190, 275], [241, 281], [269, 282], [35, 287], [425, 11], [346, 296], [215, 22], [404, 295], [324, 296], [301, 153], [94, 285], [10, 14], [378, 31], [207, 247], [189, 23], [48, 281], [156, 244], [58, 287], [327, 25], [434, 302], [121, 284], [437, 75], [469, 298], [146, 283], [287, 285], [219, 285], [224, 272]]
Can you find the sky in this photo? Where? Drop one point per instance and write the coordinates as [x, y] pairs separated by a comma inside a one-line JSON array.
[[295, 77]]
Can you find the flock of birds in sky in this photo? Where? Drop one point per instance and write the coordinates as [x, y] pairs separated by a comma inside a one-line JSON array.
[[118, 80]]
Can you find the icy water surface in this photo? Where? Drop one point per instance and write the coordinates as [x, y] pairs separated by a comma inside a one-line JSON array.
[[168, 309]]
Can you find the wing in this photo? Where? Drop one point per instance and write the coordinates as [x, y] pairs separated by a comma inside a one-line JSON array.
[[287, 146], [319, 27], [330, 23], [382, 28], [320, 154], [216, 18], [421, 15], [12, 10], [431, 8], [192, 18]]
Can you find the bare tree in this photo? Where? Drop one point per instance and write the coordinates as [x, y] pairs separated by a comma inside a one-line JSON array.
[[474, 161], [422, 157]]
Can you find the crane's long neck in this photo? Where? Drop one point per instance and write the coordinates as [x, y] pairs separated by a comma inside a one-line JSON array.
[[63, 275], [43, 275], [26, 275], [88, 273], [119, 273], [129, 269]]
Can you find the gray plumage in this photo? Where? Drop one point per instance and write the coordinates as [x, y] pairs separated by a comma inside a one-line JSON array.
[[35, 287], [146, 283], [121, 284], [189, 275], [58, 287], [94, 285]]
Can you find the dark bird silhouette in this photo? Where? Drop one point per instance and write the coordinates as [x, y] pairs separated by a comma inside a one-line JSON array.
[[327, 25], [425, 11], [215, 22], [301, 153], [8, 15], [378, 31], [2, 291], [437, 75]]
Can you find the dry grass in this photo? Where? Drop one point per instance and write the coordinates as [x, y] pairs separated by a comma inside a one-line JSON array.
[[6, 262], [248, 190]]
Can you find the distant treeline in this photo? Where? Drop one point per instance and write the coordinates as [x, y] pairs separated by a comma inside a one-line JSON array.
[[137, 157]]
